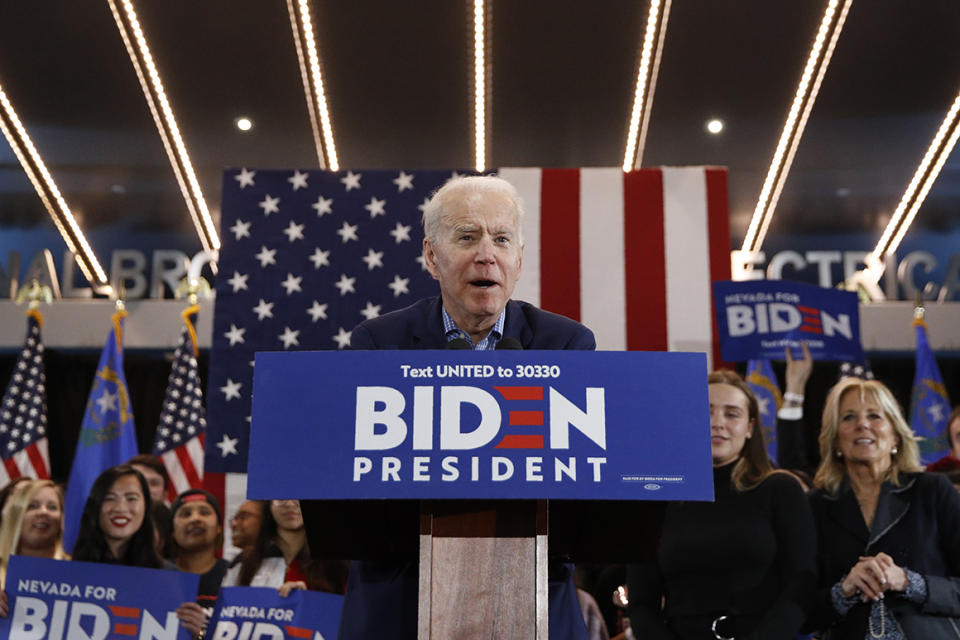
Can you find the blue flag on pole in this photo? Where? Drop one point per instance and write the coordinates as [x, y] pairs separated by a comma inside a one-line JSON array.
[[107, 435], [763, 382], [929, 404]]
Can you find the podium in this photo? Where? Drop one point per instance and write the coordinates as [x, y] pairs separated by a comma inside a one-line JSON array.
[[481, 469]]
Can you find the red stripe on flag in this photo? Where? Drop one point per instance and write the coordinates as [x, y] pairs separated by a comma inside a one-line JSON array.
[[521, 442], [298, 632], [560, 241], [718, 238], [186, 463], [521, 393], [643, 257], [12, 469], [215, 483], [39, 464], [526, 418]]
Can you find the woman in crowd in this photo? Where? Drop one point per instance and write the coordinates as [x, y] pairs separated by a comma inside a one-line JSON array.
[[280, 557], [951, 461], [740, 566], [33, 525], [889, 536]]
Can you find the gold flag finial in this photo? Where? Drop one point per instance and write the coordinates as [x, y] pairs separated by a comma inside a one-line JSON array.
[[34, 294], [192, 289]]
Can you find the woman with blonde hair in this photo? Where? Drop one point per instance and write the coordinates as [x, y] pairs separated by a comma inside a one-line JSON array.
[[889, 535], [32, 523], [740, 566]]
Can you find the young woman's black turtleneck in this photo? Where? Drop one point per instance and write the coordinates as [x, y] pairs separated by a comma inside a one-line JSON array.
[[748, 555]]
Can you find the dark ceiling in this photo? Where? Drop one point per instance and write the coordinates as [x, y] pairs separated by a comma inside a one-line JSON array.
[[397, 77]]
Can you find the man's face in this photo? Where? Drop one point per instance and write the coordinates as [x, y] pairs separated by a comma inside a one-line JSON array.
[[245, 524], [476, 257], [154, 481]]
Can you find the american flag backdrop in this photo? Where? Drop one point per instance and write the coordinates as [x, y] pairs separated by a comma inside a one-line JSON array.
[[180, 433], [309, 254], [23, 414]]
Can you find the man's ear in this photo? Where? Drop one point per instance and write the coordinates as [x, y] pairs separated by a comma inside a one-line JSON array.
[[430, 259]]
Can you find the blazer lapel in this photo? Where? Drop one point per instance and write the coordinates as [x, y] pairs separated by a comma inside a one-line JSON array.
[[428, 334], [845, 511], [892, 505], [516, 326]]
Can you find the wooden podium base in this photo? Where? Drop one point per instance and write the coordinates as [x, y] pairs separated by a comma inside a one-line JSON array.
[[483, 569]]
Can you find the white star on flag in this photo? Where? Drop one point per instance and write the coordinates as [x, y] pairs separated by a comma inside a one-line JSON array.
[[373, 259], [399, 285], [371, 310], [298, 180], [322, 206], [351, 180], [228, 445], [245, 178], [763, 405], [289, 337], [401, 232], [107, 402], [266, 256], [292, 283], [238, 281], [294, 231], [317, 311], [376, 207], [348, 232], [342, 338], [422, 206], [345, 284], [320, 258], [936, 413], [235, 335], [403, 181], [264, 309], [231, 389], [270, 205], [240, 229], [423, 263]]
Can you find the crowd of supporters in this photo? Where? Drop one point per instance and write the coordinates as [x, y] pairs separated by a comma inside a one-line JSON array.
[[864, 543]]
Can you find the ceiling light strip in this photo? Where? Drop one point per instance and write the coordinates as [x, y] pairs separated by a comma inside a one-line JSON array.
[[130, 30], [316, 82], [911, 200], [801, 125], [654, 72], [305, 77], [479, 85], [643, 89], [46, 188], [817, 61]]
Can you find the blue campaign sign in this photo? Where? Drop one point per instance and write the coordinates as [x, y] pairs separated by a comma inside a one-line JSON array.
[[260, 612], [494, 424], [760, 318], [61, 599]]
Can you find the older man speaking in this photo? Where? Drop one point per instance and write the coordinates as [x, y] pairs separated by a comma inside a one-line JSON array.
[[473, 246]]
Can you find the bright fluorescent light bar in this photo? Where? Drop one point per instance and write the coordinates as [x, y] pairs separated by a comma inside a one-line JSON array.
[[643, 90], [479, 86], [131, 32], [906, 211], [828, 33], [309, 59], [49, 194]]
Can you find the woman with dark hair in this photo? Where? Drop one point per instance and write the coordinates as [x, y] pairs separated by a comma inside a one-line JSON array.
[[280, 557], [116, 525], [740, 566], [889, 554]]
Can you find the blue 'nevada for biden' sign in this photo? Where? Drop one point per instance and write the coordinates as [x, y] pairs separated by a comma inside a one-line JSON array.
[[463, 424]]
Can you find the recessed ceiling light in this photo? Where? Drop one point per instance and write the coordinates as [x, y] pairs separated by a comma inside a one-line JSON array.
[[715, 126], [244, 124]]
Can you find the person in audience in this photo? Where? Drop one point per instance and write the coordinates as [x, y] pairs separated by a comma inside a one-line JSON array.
[[7, 490], [889, 535], [951, 461], [197, 534], [245, 526], [116, 526], [162, 529], [280, 558], [151, 467], [33, 525], [740, 566]]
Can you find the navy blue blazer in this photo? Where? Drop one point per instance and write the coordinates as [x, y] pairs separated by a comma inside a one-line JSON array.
[[420, 326]]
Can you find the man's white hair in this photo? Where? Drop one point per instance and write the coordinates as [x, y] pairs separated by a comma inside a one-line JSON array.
[[467, 189]]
